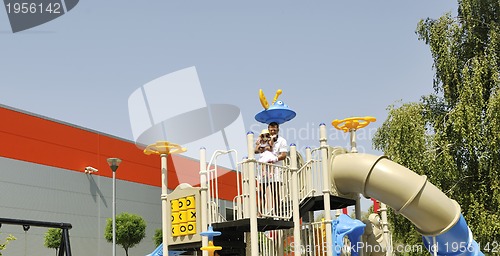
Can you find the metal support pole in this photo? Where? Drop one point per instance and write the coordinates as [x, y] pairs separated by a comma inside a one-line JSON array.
[[164, 148], [357, 207], [114, 213], [295, 200], [326, 188], [254, 236], [62, 247], [114, 163], [247, 179], [204, 198], [385, 228], [164, 202], [311, 233], [245, 183], [67, 247], [354, 148], [309, 176]]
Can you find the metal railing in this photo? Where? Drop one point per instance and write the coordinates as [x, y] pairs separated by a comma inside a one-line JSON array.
[[314, 239], [273, 191], [273, 186], [274, 242], [280, 242], [306, 174], [214, 209]]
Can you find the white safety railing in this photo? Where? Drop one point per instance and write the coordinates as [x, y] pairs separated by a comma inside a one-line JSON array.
[[316, 173], [306, 175], [268, 243], [280, 242], [214, 215], [273, 191], [310, 175], [273, 186], [274, 242], [313, 237], [241, 200]]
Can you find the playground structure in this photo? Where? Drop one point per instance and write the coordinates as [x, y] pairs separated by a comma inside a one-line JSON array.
[[275, 216], [274, 207]]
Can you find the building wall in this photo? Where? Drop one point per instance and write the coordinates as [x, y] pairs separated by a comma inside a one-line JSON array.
[[42, 178], [38, 192]]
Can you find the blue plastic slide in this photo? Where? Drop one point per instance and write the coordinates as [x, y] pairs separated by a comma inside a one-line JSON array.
[[457, 241], [159, 252]]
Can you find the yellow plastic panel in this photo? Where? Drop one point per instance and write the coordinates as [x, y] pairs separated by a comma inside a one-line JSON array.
[[182, 204], [176, 218], [191, 228], [183, 229], [183, 216], [191, 215], [190, 203], [175, 230], [174, 205]]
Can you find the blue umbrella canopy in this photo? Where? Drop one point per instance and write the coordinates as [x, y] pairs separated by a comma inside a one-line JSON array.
[[278, 111]]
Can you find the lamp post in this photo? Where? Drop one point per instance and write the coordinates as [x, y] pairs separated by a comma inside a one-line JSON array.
[[114, 163], [164, 148]]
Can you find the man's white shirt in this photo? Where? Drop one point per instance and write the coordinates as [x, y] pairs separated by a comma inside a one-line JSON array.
[[279, 147]]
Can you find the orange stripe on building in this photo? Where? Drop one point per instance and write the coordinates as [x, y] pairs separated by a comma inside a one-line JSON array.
[[38, 140]]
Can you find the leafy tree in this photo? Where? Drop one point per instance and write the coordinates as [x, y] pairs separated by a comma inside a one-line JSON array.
[[130, 230], [364, 215], [453, 135], [53, 239], [4, 244], [158, 237]]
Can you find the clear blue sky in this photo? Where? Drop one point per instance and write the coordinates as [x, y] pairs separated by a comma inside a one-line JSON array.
[[333, 59]]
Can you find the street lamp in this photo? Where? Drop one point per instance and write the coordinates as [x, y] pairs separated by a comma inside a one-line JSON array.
[[164, 148], [114, 163]]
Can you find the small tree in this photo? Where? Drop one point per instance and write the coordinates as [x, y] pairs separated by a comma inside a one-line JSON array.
[[130, 230], [53, 239], [158, 237], [4, 244]]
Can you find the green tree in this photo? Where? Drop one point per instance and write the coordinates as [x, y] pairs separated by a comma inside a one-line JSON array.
[[53, 239], [3, 245], [453, 135], [158, 237], [130, 230], [364, 215]]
